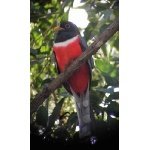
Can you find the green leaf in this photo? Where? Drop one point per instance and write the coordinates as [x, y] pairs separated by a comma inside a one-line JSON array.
[[67, 2], [42, 116], [107, 13], [46, 81], [48, 6], [107, 90], [96, 98], [35, 32], [113, 109], [71, 122], [116, 42], [114, 96], [106, 67], [56, 113], [104, 27], [43, 24], [103, 65], [100, 8], [33, 52], [44, 48]]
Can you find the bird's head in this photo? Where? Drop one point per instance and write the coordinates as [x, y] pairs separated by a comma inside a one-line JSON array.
[[66, 30]]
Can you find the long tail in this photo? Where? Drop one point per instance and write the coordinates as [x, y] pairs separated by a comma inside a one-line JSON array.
[[83, 112]]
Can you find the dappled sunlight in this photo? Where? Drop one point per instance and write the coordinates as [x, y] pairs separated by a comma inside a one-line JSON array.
[[77, 128]]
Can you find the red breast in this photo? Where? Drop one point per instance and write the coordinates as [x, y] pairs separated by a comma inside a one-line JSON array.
[[65, 53]]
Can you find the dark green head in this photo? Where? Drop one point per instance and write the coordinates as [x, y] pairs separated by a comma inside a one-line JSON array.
[[66, 31]]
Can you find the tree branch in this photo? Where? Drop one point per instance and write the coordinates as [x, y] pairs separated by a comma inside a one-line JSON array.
[[57, 82]]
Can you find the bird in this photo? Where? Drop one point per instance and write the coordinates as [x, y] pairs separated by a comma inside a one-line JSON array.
[[69, 45]]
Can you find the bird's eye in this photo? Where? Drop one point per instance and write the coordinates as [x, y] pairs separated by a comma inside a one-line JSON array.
[[67, 26]]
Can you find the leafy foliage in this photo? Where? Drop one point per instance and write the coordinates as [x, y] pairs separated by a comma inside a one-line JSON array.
[[56, 120]]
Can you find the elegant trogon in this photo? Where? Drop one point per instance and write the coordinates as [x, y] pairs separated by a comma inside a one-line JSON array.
[[69, 45]]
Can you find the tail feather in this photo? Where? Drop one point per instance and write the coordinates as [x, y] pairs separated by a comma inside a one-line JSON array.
[[83, 111]]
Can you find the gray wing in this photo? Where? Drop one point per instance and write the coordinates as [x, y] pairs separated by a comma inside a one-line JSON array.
[[84, 46]]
